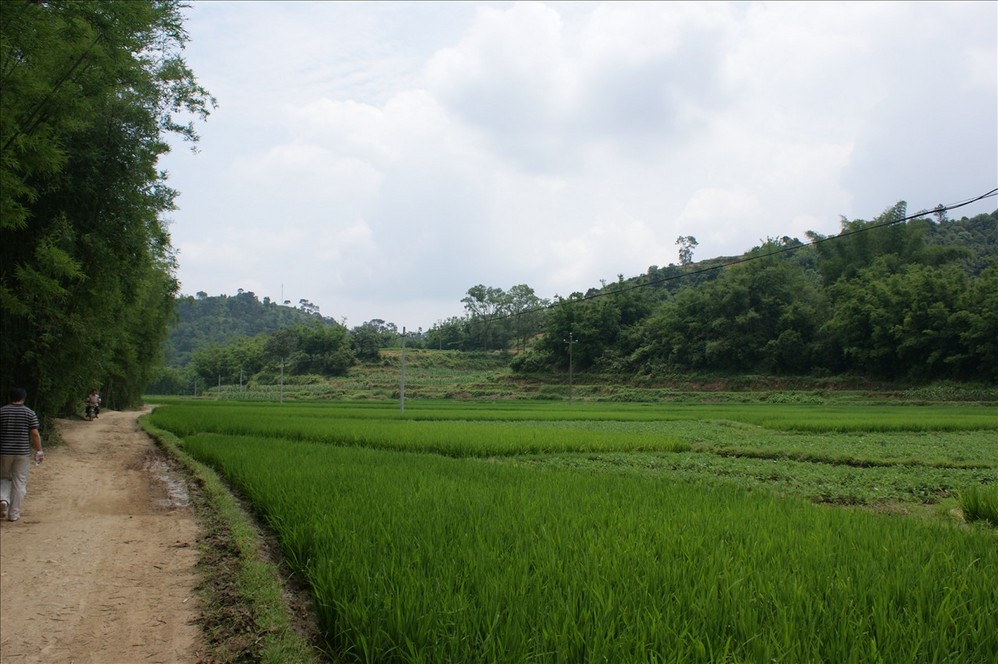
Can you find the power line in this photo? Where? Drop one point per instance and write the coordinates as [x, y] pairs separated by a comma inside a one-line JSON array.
[[746, 259]]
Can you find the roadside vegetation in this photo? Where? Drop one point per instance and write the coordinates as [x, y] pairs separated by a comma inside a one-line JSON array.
[[249, 612], [93, 93]]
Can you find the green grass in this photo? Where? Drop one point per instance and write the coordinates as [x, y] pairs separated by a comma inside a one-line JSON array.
[[777, 417], [818, 482], [416, 557], [956, 449], [859, 467], [242, 591], [450, 437], [533, 531], [980, 503]]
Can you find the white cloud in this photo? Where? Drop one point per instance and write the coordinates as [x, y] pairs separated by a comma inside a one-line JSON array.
[[294, 171], [408, 151], [738, 208]]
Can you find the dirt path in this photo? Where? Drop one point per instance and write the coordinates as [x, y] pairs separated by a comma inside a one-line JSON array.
[[100, 567]]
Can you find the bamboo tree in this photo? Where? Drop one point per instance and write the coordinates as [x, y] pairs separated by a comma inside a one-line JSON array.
[[87, 279]]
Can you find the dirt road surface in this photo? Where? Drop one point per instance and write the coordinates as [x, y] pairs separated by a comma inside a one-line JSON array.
[[100, 568]]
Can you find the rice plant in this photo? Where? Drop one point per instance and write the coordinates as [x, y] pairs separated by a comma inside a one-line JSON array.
[[419, 558], [512, 533], [980, 503]]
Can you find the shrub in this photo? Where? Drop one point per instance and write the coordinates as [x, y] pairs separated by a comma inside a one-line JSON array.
[[530, 362]]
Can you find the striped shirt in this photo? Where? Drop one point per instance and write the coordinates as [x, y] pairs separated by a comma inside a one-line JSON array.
[[16, 423]]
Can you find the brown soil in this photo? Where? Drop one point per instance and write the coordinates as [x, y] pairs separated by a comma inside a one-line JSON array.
[[100, 567]]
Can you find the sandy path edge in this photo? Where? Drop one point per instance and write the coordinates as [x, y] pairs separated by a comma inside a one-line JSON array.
[[101, 565]]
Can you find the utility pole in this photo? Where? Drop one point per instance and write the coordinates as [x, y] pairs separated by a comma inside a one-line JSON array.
[[571, 342], [282, 380], [402, 387]]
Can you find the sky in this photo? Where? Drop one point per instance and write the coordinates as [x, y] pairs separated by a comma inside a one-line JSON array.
[[379, 159]]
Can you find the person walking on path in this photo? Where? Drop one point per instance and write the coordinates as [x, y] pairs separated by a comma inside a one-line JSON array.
[[93, 405], [18, 433]]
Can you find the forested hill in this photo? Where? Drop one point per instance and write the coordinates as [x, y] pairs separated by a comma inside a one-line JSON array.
[[896, 298], [215, 320], [978, 236], [970, 242]]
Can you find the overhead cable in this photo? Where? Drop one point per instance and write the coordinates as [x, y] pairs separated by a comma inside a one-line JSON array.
[[746, 259]]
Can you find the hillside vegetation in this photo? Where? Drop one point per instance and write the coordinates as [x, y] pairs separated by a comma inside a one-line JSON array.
[[205, 320], [896, 301], [895, 298]]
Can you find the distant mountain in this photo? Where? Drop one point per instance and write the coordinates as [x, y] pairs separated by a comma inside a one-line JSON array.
[[203, 320]]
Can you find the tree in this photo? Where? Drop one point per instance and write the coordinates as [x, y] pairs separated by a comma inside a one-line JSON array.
[[368, 339], [602, 323], [920, 322], [526, 312], [218, 319], [450, 334], [762, 315], [311, 348], [321, 349], [686, 244], [977, 322], [484, 306], [86, 267], [860, 243], [279, 346]]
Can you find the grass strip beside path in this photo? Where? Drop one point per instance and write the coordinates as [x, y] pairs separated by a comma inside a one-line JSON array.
[[245, 608]]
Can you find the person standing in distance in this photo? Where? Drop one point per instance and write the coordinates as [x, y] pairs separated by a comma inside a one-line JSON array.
[[18, 433], [93, 405]]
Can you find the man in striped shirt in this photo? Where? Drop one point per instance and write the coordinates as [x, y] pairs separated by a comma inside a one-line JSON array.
[[18, 433]]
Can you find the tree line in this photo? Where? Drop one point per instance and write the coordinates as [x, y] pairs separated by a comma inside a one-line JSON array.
[[91, 91], [237, 339], [914, 300], [202, 320], [232, 339], [901, 301]]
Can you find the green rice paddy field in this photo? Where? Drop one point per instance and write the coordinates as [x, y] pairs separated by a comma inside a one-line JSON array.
[[543, 532]]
